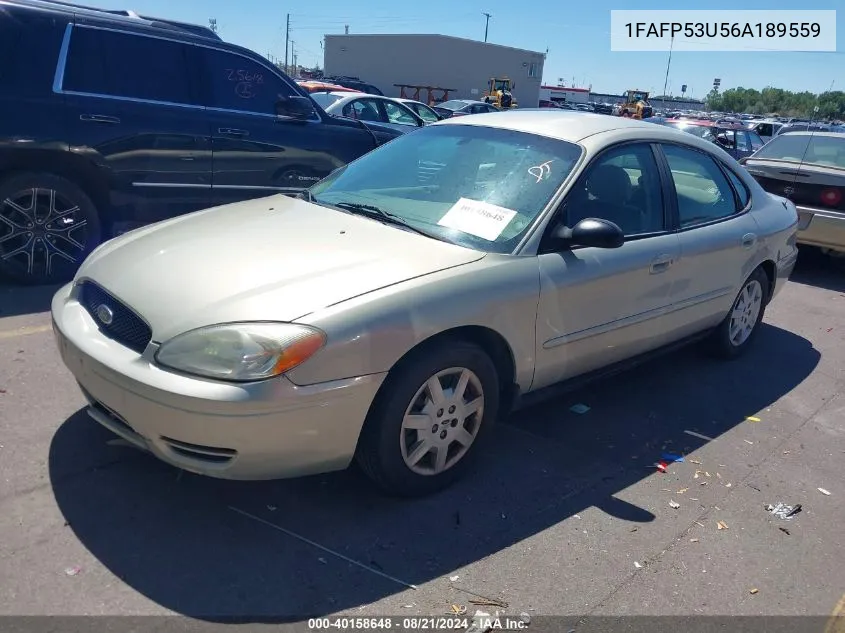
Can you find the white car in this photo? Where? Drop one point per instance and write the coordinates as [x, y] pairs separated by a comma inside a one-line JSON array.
[[369, 108], [426, 113]]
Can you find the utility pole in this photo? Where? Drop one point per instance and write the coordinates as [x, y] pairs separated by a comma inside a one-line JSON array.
[[669, 63], [287, 38], [486, 23]]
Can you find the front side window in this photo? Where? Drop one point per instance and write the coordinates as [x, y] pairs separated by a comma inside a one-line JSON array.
[[475, 186], [242, 84], [623, 186], [703, 192], [133, 66], [399, 115], [426, 114], [756, 141], [363, 110]]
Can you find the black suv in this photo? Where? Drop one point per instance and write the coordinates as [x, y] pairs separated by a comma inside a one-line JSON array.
[[110, 120]]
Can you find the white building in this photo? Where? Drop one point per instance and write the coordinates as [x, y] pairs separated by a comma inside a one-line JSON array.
[[562, 94]]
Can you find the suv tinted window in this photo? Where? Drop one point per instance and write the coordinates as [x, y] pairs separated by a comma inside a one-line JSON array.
[[10, 32], [123, 65], [239, 83], [704, 194]]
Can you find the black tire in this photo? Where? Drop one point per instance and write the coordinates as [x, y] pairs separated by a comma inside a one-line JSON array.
[[380, 446], [723, 344], [37, 244]]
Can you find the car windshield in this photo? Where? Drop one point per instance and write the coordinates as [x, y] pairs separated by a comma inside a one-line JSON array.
[[452, 105], [325, 99], [795, 148], [474, 186]]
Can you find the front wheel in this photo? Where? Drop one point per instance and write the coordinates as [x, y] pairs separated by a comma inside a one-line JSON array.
[[426, 423], [48, 226], [739, 328]]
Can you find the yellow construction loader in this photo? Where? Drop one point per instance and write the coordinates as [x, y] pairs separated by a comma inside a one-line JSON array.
[[499, 93], [636, 105]]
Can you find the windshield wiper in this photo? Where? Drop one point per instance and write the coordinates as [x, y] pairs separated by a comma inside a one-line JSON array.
[[381, 215]]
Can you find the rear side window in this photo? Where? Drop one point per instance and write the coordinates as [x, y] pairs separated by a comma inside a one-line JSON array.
[[123, 65], [29, 52], [704, 193], [10, 32], [740, 188], [242, 84]]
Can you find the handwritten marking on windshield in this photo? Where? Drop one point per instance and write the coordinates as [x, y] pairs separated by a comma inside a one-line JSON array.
[[541, 172]]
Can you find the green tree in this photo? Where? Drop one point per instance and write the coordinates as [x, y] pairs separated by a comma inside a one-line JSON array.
[[778, 101]]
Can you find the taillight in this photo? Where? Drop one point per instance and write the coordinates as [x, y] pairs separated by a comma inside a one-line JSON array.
[[831, 197]]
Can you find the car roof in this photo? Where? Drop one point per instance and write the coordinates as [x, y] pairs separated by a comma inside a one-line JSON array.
[[564, 125], [708, 123], [120, 16], [825, 133]]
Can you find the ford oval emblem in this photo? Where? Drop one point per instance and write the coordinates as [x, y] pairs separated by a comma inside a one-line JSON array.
[[104, 314]]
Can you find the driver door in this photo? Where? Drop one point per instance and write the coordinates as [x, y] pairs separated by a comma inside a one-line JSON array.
[[599, 306]]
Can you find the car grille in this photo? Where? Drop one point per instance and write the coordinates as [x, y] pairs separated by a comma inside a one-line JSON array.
[[126, 327]]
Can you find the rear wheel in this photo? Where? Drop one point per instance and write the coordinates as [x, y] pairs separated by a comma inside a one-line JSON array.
[[736, 333], [426, 424], [48, 226]]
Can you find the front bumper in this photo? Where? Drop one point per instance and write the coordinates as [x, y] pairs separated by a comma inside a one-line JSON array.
[[264, 430], [819, 227]]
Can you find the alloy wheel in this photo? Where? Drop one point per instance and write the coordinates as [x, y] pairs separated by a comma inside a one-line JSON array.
[[37, 226]]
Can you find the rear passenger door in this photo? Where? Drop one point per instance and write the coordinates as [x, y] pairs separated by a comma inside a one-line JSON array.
[[256, 152], [131, 104], [717, 238]]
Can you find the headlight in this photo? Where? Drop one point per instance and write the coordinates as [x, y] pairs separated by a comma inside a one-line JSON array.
[[241, 352]]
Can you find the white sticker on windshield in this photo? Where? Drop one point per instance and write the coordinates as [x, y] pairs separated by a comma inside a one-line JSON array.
[[481, 219]]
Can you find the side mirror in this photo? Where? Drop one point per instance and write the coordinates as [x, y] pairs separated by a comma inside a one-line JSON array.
[[595, 232], [296, 107]]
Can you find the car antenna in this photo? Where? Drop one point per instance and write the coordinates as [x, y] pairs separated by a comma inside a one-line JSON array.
[[812, 131]]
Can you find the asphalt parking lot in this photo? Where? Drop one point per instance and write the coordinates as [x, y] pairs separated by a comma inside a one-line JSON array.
[[565, 515]]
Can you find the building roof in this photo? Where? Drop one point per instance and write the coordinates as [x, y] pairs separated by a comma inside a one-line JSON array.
[[434, 35], [564, 88]]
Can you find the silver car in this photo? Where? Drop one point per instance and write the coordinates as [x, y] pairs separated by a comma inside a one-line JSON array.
[[403, 304], [372, 108]]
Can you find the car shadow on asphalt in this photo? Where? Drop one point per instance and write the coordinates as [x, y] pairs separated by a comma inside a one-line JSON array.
[[819, 270], [208, 548], [16, 300]]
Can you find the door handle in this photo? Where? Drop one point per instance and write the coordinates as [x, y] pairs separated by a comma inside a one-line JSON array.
[[661, 263], [98, 118], [749, 240], [229, 131]]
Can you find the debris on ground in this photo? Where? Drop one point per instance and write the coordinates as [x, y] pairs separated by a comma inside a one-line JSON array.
[[722, 525], [579, 408], [752, 418], [753, 591], [682, 491], [693, 540], [454, 578], [673, 504], [785, 531], [525, 618], [489, 602], [637, 565], [782, 510], [408, 606], [73, 571], [661, 466], [671, 457], [695, 461], [728, 485], [748, 442], [823, 491], [459, 609], [481, 622]]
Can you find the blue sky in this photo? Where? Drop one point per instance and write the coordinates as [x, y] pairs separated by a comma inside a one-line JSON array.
[[576, 34]]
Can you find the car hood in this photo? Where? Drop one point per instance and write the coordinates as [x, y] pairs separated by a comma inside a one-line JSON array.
[[273, 259]]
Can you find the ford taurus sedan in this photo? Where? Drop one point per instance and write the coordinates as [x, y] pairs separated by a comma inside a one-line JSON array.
[[397, 309]]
